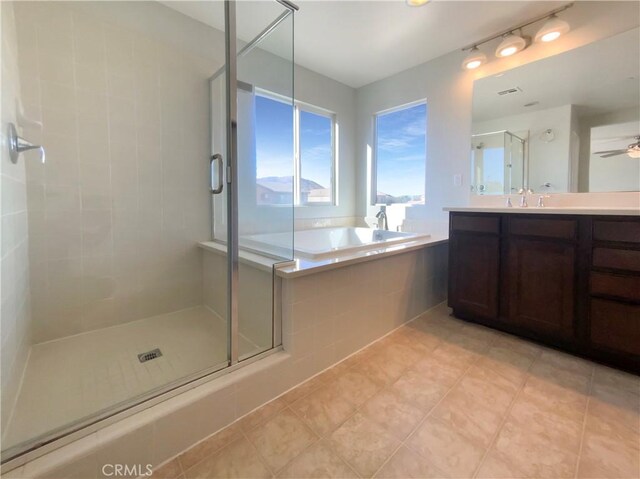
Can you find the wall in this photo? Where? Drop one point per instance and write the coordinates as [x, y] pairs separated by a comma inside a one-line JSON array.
[[448, 90], [117, 210], [548, 162], [15, 311]]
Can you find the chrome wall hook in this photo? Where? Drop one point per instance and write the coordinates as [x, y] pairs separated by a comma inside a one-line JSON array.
[[19, 145]]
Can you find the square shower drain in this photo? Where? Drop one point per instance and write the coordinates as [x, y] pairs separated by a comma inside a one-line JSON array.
[[149, 355]]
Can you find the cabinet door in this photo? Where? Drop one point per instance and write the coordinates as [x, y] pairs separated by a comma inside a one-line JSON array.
[[474, 267], [541, 278]]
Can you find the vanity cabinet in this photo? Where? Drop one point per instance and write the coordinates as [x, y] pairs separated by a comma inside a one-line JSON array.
[[572, 282]]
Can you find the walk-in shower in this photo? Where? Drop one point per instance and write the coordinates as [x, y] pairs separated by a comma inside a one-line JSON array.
[[145, 111], [497, 163]]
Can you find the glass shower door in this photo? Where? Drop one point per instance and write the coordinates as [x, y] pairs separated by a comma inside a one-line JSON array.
[[253, 214]]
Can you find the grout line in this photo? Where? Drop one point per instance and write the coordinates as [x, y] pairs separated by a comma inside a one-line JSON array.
[[494, 438], [584, 421]]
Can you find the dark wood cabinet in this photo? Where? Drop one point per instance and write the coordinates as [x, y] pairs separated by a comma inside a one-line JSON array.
[[570, 281], [541, 285], [475, 274]]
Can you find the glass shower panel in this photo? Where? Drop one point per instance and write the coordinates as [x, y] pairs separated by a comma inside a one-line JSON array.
[[265, 170], [497, 161], [102, 297]]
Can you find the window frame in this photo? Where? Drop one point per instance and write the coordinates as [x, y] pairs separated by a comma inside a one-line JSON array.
[[299, 106], [374, 155]]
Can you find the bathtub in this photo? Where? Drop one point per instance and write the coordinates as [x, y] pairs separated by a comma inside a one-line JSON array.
[[323, 243]]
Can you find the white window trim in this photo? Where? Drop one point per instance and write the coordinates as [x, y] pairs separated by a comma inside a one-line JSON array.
[[374, 154], [297, 167]]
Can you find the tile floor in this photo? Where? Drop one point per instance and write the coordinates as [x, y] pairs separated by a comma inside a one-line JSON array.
[[74, 377], [437, 398]]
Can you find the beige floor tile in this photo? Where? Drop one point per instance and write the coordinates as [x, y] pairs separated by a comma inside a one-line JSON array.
[[518, 345], [263, 413], [494, 468], [323, 410], [373, 372], [470, 418], [210, 446], [442, 446], [317, 462], [469, 341], [440, 370], [281, 438], [397, 416], [604, 376], [523, 450], [615, 405], [488, 388], [406, 464], [530, 414], [510, 364], [556, 375], [363, 444], [418, 390], [556, 398], [238, 460], [170, 470], [355, 387], [605, 457], [565, 361], [303, 389]]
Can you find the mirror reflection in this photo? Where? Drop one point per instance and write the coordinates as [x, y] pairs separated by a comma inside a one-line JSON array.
[[567, 123]]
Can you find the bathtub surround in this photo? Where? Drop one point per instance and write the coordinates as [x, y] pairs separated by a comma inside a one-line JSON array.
[[15, 312], [326, 317]]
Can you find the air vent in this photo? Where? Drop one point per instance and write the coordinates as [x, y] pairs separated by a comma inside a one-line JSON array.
[[510, 91], [149, 355]]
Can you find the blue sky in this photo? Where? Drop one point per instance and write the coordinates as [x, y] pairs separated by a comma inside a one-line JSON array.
[[401, 151], [274, 138], [274, 142]]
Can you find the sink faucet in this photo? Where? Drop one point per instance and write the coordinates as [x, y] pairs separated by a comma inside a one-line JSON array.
[[382, 218], [523, 196]]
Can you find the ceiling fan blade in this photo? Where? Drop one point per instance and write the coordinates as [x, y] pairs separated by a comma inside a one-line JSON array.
[[610, 152], [609, 155], [617, 138]]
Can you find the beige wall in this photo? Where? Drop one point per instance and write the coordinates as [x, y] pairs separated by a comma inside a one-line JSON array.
[[15, 312], [116, 212]]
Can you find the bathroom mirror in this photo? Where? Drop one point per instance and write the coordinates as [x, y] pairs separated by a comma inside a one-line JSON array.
[[562, 124]]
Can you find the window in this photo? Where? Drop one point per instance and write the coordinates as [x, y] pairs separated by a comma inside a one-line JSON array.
[[309, 133], [400, 155]]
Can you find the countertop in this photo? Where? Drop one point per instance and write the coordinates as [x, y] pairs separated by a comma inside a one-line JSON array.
[[550, 210]]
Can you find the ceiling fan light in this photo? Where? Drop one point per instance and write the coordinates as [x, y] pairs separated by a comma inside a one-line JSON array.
[[510, 45], [474, 59], [552, 29], [634, 152], [416, 3]]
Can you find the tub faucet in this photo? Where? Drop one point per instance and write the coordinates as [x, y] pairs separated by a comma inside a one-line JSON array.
[[382, 218]]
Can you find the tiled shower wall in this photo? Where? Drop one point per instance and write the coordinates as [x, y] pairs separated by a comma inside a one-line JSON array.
[[116, 212], [15, 312]]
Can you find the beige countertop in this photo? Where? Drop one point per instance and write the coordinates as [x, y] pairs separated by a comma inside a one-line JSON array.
[[550, 210]]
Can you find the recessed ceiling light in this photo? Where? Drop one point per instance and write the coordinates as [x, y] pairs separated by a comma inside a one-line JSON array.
[[552, 30], [474, 59], [510, 44], [416, 3]]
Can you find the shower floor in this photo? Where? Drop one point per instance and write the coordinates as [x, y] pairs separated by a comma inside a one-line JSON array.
[[75, 377]]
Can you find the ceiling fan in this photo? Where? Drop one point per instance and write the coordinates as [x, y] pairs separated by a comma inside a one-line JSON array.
[[633, 150]]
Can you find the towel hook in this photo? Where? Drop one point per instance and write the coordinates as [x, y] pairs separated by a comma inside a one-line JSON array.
[[19, 145]]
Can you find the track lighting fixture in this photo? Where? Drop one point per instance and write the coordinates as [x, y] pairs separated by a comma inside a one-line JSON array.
[[474, 59], [552, 29]]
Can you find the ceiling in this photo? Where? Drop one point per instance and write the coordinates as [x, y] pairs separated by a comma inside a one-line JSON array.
[[598, 78], [359, 42]]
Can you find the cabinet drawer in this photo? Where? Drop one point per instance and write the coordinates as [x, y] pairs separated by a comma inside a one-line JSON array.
[[550, 228], [478, 224], [626, 259], [615, 325], [626, 231], [617, 286]]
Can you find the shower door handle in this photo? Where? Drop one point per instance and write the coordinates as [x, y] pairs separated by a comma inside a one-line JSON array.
[[218, 188]]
